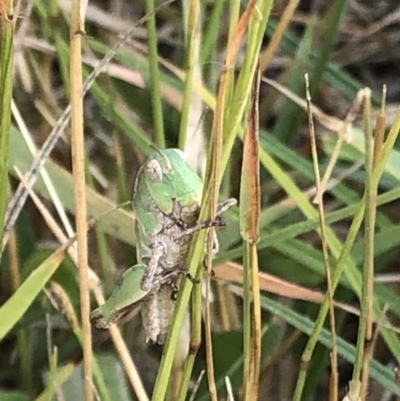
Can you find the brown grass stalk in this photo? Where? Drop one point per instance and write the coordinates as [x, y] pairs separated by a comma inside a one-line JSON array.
[[78, 164]]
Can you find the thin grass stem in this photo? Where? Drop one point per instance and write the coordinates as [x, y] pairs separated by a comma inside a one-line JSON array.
[[192, 32], [334, 382], [78, 164], [25, 358], [365, 324], [156, 98], [6, 87]]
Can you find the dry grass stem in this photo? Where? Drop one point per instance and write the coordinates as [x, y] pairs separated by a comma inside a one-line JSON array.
[[78, 168]]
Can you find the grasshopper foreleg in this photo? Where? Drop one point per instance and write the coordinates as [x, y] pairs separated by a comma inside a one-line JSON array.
[[215, 251], [225, 205], [157, 252], [218, 222]]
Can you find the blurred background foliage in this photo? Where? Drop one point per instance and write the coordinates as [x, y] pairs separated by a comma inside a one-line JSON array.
[[344, 46]]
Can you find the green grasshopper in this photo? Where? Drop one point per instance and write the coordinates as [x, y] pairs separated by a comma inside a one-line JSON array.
[[166, 202]]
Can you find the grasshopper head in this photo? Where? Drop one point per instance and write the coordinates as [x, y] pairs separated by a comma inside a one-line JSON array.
[[167, 177]]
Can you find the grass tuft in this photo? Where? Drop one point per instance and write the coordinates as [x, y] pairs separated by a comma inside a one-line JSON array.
[[304, 301]]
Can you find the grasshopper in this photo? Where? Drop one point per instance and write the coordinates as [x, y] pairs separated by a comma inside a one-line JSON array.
[[166, 202]]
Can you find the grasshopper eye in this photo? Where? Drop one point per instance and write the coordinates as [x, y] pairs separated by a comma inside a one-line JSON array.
[[154, 170]]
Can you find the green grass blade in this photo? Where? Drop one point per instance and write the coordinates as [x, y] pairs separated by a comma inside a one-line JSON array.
[[17, 305], [6, 85]]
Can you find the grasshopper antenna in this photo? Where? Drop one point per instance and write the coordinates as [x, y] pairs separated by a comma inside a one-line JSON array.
[[92, 222]]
